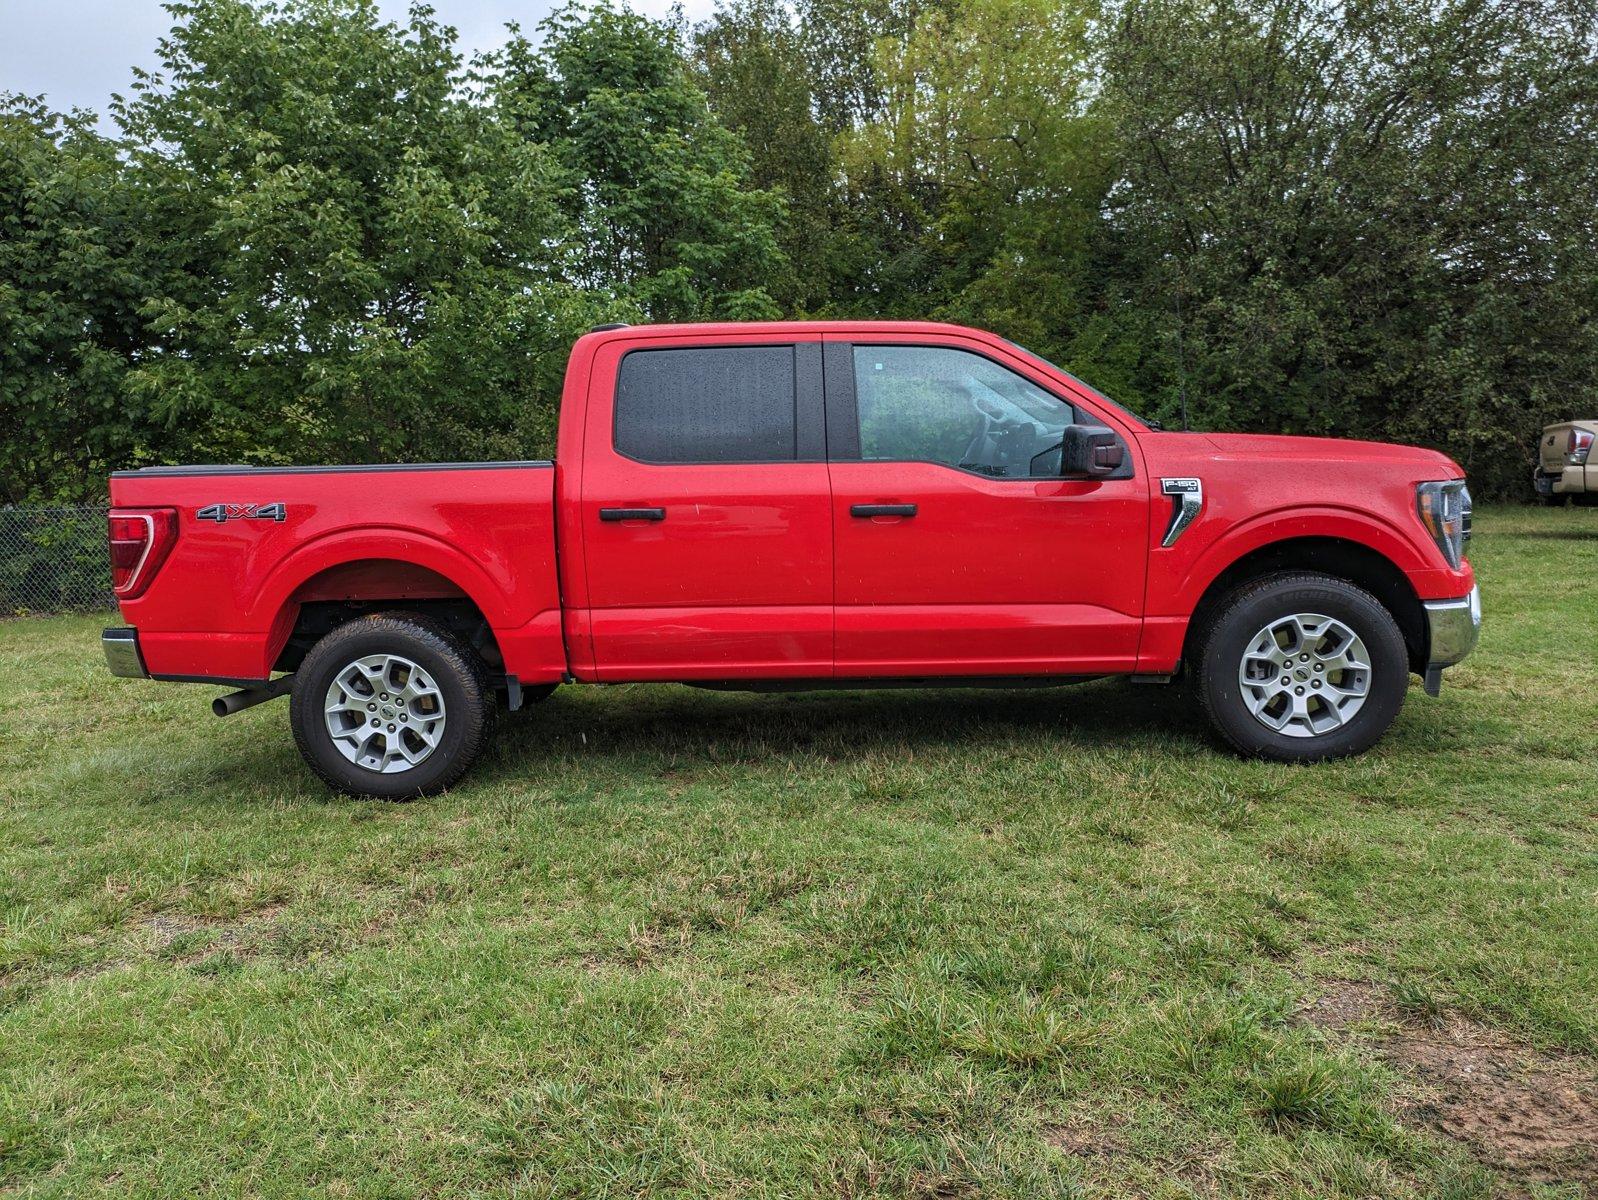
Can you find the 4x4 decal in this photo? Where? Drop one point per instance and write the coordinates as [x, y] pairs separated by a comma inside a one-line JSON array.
[[276, 511]]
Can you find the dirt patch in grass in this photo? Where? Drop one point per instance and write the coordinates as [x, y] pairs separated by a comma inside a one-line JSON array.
[[1346, 1002], [181, 938], [1103, 1145], [170, 925], [210, 935], [930, 1185], [1528, 1113], [1089, 1139]]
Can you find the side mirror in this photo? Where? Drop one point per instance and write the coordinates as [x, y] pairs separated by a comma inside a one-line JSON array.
[[1090, 452]]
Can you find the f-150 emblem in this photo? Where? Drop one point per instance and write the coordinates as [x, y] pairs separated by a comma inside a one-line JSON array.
[[276, 511], [1187, 501]]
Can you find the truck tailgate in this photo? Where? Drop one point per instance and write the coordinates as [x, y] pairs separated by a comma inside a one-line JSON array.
[[1551, 450]]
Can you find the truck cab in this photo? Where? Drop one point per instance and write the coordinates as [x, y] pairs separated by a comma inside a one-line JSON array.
[[804, 505]]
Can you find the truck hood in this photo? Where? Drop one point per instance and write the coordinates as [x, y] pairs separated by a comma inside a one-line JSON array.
[[1431, 463]]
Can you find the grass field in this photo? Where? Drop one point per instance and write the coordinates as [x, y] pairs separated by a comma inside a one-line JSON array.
[[670, 942]]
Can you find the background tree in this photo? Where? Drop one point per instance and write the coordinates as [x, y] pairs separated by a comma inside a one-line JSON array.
[[320, 236], [1378, 218], [987, 132], [373, 266], [76, 264], [752, 65], [655, 189]]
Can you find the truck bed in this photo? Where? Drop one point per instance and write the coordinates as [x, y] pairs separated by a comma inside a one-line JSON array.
[[255, 545]]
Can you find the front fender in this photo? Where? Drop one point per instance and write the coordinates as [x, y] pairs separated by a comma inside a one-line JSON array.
[[1185, 579]]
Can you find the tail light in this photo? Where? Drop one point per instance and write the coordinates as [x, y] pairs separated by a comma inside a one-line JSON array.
[[1577, 446], [141, 538]]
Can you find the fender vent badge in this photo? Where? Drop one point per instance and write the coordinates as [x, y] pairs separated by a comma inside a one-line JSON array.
[[1187, 501]]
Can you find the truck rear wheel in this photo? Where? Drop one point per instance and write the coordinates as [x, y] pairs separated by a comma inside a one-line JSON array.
[[1301, 667], [392, 705]]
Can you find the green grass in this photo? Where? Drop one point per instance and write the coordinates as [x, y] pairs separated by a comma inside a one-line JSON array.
[[669, 942]]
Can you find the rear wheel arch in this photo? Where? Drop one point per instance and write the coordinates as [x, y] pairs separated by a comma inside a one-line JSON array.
[[1340, 558], [357, 587]]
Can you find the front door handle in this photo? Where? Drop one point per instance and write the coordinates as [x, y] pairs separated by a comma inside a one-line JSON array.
[[882, 510], [632, 514]]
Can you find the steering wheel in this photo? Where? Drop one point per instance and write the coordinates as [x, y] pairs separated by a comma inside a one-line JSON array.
[[988, 409], [984, 434]]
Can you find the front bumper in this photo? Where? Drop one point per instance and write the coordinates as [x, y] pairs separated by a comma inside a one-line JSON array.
[[1453, 627], [122, 655]]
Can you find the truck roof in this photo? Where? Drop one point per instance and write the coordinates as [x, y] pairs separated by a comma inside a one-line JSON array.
[[792, 328]]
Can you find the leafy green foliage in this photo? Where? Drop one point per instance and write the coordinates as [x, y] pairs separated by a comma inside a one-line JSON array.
[[366, 269], [317, 235], [751, 65], [1376, 219], [1370, 220], [654, 189], [76, 263]]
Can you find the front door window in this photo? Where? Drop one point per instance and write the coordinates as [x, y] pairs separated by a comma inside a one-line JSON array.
[[940, 405]]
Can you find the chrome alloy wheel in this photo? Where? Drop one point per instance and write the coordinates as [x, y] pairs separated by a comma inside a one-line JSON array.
[[1304, 675], [384, 713]]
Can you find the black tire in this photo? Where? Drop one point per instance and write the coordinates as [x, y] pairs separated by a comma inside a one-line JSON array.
[[1233, 625], [458, 674]]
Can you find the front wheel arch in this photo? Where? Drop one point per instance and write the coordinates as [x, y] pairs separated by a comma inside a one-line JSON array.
[[1339, 558]]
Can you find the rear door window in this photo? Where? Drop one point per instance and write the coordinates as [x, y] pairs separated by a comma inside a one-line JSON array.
[[712, 404]]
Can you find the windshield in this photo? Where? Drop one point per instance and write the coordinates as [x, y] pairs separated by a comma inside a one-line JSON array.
[[1089, 388]]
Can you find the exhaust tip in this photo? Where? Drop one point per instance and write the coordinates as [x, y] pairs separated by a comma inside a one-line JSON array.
[[235, 702]]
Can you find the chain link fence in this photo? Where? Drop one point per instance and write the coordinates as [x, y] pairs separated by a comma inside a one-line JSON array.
[[54, 560]]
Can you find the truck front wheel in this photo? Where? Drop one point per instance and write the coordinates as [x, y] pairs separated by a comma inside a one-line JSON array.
[[1301, 667], [392, 705]]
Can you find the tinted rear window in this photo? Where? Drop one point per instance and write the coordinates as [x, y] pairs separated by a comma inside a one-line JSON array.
[[721, 404]]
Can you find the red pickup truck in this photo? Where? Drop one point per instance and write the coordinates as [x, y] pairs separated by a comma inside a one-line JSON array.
[[802, 505]]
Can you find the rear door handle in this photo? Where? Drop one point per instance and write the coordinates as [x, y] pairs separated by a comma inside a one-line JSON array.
[[882, 510], [632, 514]]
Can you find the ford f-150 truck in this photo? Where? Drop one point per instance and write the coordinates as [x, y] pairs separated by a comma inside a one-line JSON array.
[[802, 505]]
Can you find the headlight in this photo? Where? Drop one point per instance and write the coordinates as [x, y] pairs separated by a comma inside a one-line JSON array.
[[1445, 511]]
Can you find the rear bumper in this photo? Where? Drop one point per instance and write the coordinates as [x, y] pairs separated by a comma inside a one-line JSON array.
[[1566, 481], [1453, 627], [122, 655]]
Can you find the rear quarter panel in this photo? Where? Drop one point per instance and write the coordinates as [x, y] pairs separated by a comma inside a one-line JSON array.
[[226, 599]]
